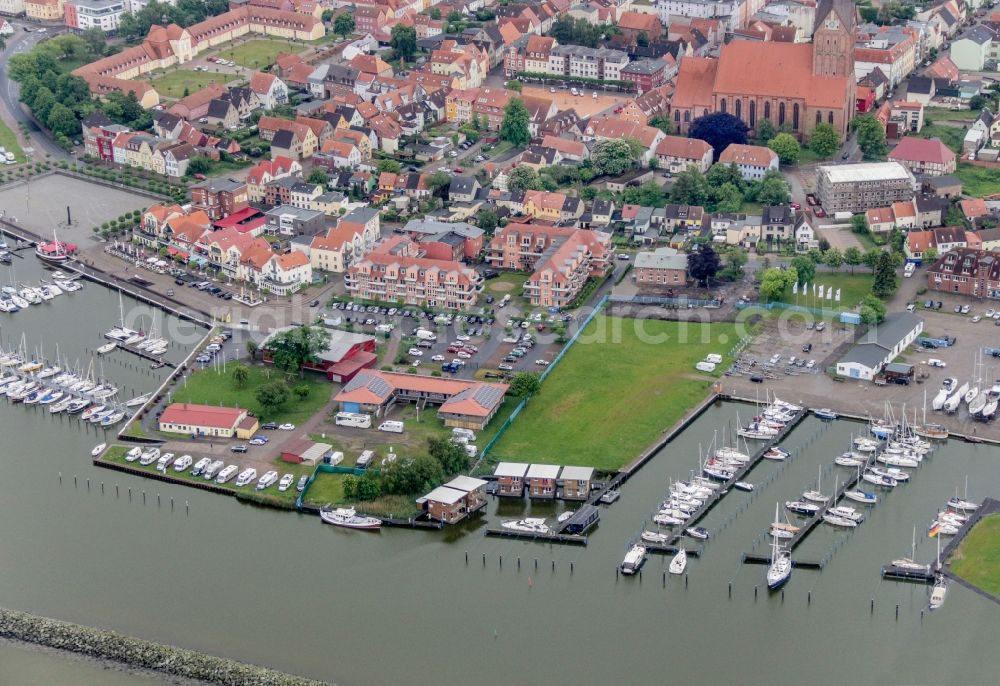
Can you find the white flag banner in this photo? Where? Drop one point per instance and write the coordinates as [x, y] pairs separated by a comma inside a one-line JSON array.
[[829, 292], [795, 288], [837, 297], [814, 288]]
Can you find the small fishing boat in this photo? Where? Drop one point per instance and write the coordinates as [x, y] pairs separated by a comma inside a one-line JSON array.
[[634, 559], [777, 454], [98, 449], [699, 532], [743, 486], [106, 348], [825, 413], [679, 563], [654, 537]]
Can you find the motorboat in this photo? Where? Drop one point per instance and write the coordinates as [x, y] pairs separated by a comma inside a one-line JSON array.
[[847, 512], [938, 593], [288, 479], [837, 520], [802, 508], [699, 532], [679, 563], [780, 569], [654, 537], [664, 519], [849, 459], [896, 460], [182, 463], [743, 486], [227, 474], [98, 449], [165, 461], [892, 472], [269, 479], [879, 480], [825, 413], [200, 466], [776, 453], [346, 517], [107, 347], [133, 454], [863, 497], [139, 400], [247, 476], [149, 457], [634, 559]]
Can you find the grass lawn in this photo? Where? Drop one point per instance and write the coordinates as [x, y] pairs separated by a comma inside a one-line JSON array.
[[208, 387], [509, 283], [172, 84], [613, 393], [949, 135], [807, 156], [258, 53], [941, 113], [852, 289], [977, 559], [978, 182], [116, 455], [9, 141]]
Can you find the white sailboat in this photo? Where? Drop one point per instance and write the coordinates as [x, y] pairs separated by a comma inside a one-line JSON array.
[[780, 569], [679, 563], [816, 495]]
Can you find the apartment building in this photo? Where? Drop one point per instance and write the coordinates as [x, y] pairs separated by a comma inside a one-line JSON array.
[[858, 187]]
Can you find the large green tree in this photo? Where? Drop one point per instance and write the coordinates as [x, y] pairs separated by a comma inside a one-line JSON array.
[[775, 281], [524, 383], [689, 188], [452, 456], [514, 127], [886, 281], [403, 40], [805, 268], [297, 346], [765, 131], [773, 190], [523, 179], [272, 395], [824, 140], [872, 310], [871, 137], [613, 157], [786, 147], [853, 257], [719, 130], [343, 25]]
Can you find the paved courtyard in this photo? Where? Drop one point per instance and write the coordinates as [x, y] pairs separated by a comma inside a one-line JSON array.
[[39, 205]]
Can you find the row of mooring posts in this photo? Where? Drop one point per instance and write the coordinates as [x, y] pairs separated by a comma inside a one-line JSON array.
[[159, 500]]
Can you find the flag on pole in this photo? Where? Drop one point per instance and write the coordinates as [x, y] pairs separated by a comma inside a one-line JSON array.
[[837, 296], [829, 292], [814, 288], [795, 288]]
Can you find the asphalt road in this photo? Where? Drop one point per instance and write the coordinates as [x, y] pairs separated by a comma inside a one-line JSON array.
[[22, 41]]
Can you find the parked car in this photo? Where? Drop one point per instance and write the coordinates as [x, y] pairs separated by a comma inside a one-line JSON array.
[[239, 448], [934, 362]]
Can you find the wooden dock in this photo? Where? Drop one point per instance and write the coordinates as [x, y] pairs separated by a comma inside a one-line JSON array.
[[897, 573], [670, 549], [754, 559], [536, 537], [146, 356]]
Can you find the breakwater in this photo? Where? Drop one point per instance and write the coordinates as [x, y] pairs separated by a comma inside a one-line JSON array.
[[140, 654]]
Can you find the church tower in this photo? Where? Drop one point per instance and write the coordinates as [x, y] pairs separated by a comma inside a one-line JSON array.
[[833, 39]]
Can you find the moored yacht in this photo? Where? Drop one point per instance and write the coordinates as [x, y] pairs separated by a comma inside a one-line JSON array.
[[634, 559], [349, 519]]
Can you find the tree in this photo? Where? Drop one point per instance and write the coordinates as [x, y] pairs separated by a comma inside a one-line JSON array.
[[514, 127], [403, 40], [786, 147], [487, 220], [736, 257], [853, 257], [514, 86], [439, 180], [871, 137], [824, 140], [251, 346], [930, 255], [859, 224], [326, 16], [765, 131], [833, 258], [872, 310], [805, 268], [302, 391], [524, 384], [272, 395], [362, 488], [452, 456], [775, 281], [728, 198], [523, 179], [664, 124], [343, 25], [886, 281], [977, 102], [689, 188], [62, 120], [411, 475], [642, 40], [871, 258], [199, 165], [719, 130], [703, 264], [773, 190], [297, 346], [391, 166], [318, 175], [720, 174], [241, 375], [613, 157], [649, 194]]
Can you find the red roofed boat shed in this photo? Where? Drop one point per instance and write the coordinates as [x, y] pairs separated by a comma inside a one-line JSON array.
[[207, 420]]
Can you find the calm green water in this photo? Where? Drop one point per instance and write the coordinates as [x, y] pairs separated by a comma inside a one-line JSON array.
[[404, 607]]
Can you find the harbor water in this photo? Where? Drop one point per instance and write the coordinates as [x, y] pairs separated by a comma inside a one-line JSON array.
[[198, 570]]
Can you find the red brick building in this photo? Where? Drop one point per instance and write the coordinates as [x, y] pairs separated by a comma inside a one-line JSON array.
[[346, 355], [219, 197], [966, 271]]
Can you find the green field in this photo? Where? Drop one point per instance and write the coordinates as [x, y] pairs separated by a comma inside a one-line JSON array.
[[613, 394], [852, 289], [977, 559], [978, 182], [116, 455], [9, 141], [172, 84], [941, 114], [209, 387], [949, 135], [258, 53]]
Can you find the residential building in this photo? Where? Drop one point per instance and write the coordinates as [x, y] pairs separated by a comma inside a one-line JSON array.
[[287, 220], [462, 403], [753, 161], [924, 156], [541, 480], [858, 187], [908, 115], [90, 14], [455, 500], [341, 247], [269, 89], [44, 10], [975, 273], [645, 74], [677, 153], [219, 197], [972, 49], [510, 478], [576, 482], [663, 267], [880, 219], [892, 49]]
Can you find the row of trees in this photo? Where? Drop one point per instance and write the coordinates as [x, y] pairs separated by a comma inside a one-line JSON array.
[[412, 474]]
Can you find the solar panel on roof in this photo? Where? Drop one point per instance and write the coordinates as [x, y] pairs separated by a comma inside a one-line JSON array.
[[488, 396]]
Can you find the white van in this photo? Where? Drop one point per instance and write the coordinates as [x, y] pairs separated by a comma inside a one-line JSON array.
[[384, 328], [909, 269], [425, 335], [361, 421], [392, 427], [467, 433], [714, 358], [705, 366], [364, 459]]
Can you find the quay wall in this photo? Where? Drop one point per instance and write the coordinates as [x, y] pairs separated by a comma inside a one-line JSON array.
[[109, 645]]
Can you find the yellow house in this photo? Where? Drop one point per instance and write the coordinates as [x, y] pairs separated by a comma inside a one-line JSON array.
[[544, 205], [44, 10]]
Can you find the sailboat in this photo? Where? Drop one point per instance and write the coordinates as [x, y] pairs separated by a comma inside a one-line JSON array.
[[940, 584], [679, 563], [962, 504], [780, 569], [816, 496], [910, 562], [933, 431]]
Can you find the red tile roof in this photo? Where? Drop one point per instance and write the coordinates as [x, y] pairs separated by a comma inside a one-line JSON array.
[[928, 150], [202, 415]]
